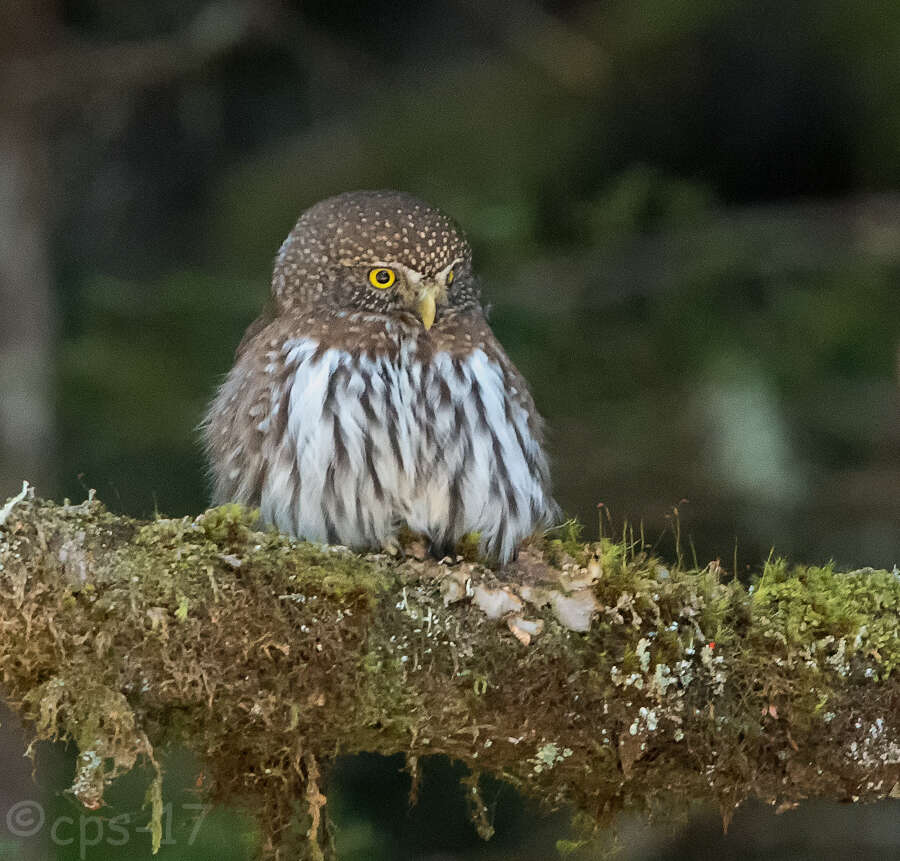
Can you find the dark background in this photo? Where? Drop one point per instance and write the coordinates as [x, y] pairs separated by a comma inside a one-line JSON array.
[[685, 215]]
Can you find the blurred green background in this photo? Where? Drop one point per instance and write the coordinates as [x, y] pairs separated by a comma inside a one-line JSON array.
[[687, 221]]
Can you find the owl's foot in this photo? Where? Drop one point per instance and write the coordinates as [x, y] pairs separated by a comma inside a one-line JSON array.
[[405, 543], [442, 549], [391, 546]]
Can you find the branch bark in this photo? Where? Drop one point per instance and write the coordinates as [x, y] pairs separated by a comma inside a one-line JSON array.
[[589, 675]]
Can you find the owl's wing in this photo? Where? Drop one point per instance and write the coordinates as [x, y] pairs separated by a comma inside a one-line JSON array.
[[265, 319], [530, 434], [237, 424]]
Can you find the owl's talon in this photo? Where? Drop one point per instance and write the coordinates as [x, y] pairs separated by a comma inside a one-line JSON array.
[[390, 546]]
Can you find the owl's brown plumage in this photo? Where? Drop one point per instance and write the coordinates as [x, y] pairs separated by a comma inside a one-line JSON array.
[[376, 395]]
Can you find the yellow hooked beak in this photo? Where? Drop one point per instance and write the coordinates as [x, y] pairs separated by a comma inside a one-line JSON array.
[[427, 307]]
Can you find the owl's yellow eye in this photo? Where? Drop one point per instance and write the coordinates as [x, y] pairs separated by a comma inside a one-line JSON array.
[[382, 278], [449, 279]]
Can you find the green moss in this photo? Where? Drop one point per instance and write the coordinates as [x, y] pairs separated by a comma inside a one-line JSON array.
[[565, 540], [230, 524], [797, 604], [802, 607], [469, 547]]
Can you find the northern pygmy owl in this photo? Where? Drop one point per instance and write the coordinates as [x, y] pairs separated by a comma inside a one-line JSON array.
[[374, 393]]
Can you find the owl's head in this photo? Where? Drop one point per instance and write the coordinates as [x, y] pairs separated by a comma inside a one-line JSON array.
[[376, 251]]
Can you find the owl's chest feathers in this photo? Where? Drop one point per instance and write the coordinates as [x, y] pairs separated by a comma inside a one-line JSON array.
[[355, 442]]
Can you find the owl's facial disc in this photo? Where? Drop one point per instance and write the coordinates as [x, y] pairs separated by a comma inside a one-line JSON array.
[[416, 292]]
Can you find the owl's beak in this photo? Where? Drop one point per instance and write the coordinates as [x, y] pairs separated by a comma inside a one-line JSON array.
[[427, 306]]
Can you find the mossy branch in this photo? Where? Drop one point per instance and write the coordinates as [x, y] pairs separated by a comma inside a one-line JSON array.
[[589, 675]]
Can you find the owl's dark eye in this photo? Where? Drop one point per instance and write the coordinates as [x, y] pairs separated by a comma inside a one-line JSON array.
[[382, 277]]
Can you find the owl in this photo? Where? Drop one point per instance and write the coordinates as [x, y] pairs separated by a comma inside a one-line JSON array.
[[373, 395]]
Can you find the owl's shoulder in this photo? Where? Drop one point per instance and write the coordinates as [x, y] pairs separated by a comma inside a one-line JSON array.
[[266, 333], [462, 333]]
